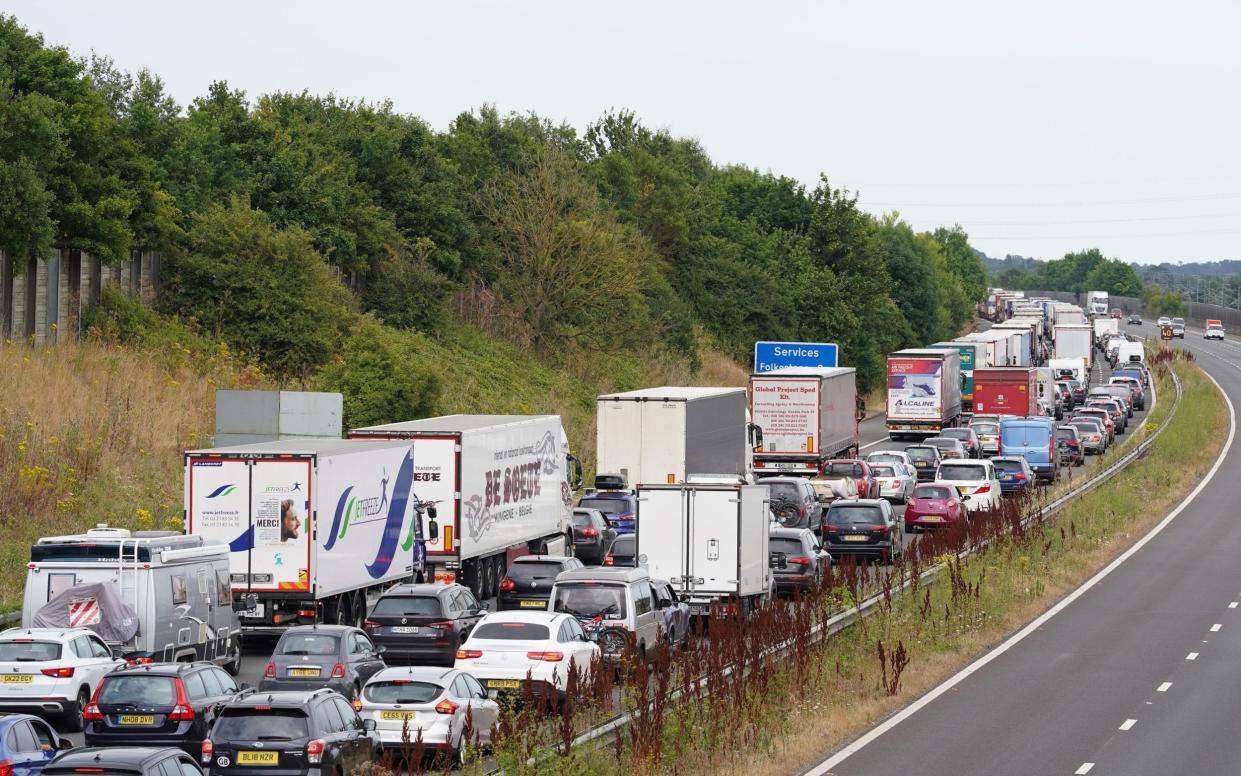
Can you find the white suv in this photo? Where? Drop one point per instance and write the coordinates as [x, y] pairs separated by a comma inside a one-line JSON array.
[[975, 481], [52, 672]]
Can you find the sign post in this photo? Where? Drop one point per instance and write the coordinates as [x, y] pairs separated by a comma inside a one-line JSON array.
[[778, 355]]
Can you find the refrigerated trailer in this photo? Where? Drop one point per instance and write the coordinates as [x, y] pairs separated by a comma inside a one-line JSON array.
[[502, 486], [1006, 390], [710, 541], [313, 526], [808, 416], [1074, 341], [924, 391]]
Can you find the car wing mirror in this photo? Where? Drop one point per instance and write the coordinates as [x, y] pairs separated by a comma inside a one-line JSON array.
[[965, 498], [368, 725], [380, 649], [664, 603]]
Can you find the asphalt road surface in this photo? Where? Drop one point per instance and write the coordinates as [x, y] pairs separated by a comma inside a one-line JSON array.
[[1136, 677]]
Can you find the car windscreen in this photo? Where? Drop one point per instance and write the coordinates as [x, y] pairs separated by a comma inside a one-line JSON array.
[[401, 691], [402, 606], [1002, 465], [1064, 433], [884, 471], [311, 643], [943, 443], [140, 690], [28, 651], [511, 631], [985, 428], [921, 454], [625, 544], [581, 519], [608, 506], [240, 723], [962, 471], [842, 470], [1028, 436], [786, 546], [1086, 427], [962, 434], [846, 515], [529, 570], [880, 458], [786, 491], [932, 491], [590, 599]]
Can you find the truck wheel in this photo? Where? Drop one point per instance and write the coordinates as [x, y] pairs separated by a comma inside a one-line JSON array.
[[501, 569], [486, 577], [233, 667], [359, 609]]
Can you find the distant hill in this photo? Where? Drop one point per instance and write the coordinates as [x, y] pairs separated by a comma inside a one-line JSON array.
[[1224, 268], [1011, 261]]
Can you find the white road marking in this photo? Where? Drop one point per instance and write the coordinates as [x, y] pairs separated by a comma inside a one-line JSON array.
[[1164, 687], [877, 442], [1127, 724], [1232, 605], [824, 767], [1192, 656], [1215, 628], [1082, 771]]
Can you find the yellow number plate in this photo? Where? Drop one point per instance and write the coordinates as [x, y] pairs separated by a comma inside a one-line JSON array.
[[301, 672], [962, 489], [258, 758], [856, 538], [398, 716], [534, 604], [137, 719], [16, 679], [931, 519], [504, 684]]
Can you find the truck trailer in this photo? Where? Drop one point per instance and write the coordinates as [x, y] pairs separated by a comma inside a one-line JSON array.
[[808, 416], [502, 486], [1006, 390], [1074, 341], [924, 392], [970, 351]]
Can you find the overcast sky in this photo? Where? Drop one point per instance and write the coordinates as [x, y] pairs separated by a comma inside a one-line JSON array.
[[1040, 127]]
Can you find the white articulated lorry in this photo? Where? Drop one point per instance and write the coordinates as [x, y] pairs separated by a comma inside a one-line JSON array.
[[1099, 302], [710, 541], [666, 434], [808, 416], [313, 526], [502, 486]]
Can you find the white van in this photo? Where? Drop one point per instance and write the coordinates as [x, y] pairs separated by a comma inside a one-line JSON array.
[[1130, 352]]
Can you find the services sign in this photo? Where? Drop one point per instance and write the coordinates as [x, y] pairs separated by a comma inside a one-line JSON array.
[[779, 355]]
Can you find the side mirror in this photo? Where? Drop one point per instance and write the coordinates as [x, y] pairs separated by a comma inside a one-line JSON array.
[[368, 725], [380, 649], [965, 498], [664, 603], [822, 499], [246, 686], [63, 744], [433, 528]]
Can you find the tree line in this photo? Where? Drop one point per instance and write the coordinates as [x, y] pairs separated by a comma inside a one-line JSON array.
[[313, 232]]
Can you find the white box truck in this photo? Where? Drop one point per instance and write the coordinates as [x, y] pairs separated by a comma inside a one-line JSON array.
[[924, 392], [502, 486], [313, 526], [710, 541], [1105, 325], [1074, 341], [666, 434], [808, 416]]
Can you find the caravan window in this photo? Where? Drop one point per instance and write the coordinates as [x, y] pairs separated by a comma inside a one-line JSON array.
[[224, 590], [179, 592], [59, 583]]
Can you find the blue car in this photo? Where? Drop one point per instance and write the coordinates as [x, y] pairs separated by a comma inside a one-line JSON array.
[[28, 743], [1014, 473], [1032, 438], [620, 507]]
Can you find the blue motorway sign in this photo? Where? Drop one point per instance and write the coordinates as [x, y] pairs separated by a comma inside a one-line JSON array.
[[778, 355]]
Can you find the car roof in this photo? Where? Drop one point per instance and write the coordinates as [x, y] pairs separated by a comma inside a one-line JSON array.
[[787, 533], [616, 494], [124, 756], [12, 717], [159, 669], [858, 502], [330, 630], [886, 452], [603, 575], [294, 698], [57, 634], [936, 483], [1010, 458], [521, 615], [437, 674], [542, 559]]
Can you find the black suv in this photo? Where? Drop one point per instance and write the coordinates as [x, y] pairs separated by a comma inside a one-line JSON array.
[[123, 761], [593, 535], [423, 624], [158, 704], [289, 733], [528, 583]]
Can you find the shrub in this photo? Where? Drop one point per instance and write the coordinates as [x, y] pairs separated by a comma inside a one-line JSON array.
[[378, 377]]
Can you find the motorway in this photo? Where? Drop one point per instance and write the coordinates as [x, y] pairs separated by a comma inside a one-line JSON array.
[[1136, 677]]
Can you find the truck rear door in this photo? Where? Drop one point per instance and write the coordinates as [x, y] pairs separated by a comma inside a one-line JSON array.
[[714, 541], [660, 527]]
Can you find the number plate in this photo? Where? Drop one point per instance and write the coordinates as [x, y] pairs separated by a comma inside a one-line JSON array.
[[258, 758], [398, 716], [962, 489], [303, 672], [258, 611], [534, 604], [16, 679], [504, 684], [856, 538], [405, 629], [137, 719], [931, 519]]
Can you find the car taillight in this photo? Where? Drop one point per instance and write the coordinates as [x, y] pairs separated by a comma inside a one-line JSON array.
[[984, 489], [58, 673], [446, 707], [183, 711], [314, 751], [270, 671], [305, 612], [1021, 477], [878, 529], [609, 560], [6, 768], [207, 749], [507, 584], [357, 704], [442, 625], [800, 560], [368, 624], [338, 671], [546, 657], [468, 654], [589, 532]]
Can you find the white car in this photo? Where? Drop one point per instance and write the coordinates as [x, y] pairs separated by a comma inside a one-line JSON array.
[[887, 457], [1214, 332], [988, 432], [52, 672], [896, 481], [434, 701], [975, 479], [505, 647], [1164, 321]]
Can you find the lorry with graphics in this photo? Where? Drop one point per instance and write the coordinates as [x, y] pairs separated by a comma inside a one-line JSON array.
[[924, 392], [808, 415], [666, 434], [502, 486], [313, 527], [1098, 303]]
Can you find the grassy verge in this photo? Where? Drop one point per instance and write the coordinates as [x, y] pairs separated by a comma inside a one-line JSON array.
[[782, 712]]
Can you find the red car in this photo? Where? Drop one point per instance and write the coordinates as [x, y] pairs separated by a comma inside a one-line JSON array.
[[859, 471], [1116, 313], [933, 505], [1103, 415]]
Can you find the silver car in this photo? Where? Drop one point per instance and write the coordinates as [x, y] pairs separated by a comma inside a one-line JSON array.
[[433, 702], [896, 481]]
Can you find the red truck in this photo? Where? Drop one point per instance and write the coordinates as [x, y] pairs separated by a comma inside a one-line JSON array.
[[1006, 390]]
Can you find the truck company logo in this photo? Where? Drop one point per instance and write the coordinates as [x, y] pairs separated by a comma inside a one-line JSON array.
[[348, 508], [396, 517], [222, 491], [513, 485]]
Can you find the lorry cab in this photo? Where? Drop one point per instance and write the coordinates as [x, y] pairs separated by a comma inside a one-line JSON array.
[[1033, 438]]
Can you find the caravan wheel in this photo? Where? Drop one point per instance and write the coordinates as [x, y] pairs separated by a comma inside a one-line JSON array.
[[233, 667]]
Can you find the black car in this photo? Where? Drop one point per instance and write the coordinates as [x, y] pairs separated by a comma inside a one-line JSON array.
[[1135, 320], [157, 704], [865, 527], [925, 459], [123, 761], [593, 535], [528, 583], [804, 562], [314, 731], [423, 624], [339, 657], [624, 552]]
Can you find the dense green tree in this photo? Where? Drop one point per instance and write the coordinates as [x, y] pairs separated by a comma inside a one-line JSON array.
[[372, 372]]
